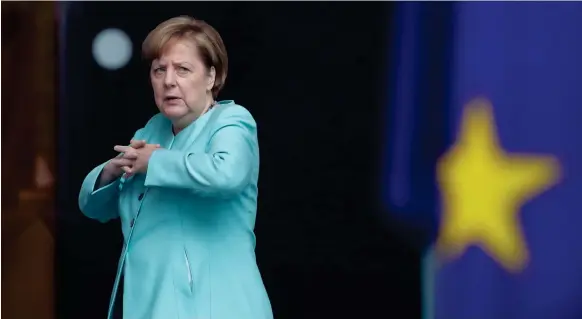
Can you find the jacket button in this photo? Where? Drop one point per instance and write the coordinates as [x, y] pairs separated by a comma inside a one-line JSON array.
[[131, 222], [140, 197]]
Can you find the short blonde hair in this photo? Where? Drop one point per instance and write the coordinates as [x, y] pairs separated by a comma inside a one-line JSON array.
[[206, 38]]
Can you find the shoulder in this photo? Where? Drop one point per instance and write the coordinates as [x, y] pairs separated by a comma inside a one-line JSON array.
[[155, 121], [153, 125], [230, 113]]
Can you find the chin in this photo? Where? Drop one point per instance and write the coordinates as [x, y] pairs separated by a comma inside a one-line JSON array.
[[174, 111]]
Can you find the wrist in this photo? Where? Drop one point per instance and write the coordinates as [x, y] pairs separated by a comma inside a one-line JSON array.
[[109, 174]]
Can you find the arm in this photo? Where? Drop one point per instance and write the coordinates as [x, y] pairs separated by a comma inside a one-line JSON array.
[[223, 170], [99, 203]]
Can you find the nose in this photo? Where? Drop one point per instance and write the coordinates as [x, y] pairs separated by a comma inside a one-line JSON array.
[[170, 79]]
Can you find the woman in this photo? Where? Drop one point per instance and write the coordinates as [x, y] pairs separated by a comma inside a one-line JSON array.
[[185, 189]]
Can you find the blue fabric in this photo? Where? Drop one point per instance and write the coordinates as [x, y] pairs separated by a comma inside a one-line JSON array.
[[188, 222], [508, 117]]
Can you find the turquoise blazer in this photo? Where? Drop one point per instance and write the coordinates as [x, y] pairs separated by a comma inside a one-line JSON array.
[[189, 248]]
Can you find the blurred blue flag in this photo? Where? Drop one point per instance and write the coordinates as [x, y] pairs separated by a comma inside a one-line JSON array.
[[484, 149]]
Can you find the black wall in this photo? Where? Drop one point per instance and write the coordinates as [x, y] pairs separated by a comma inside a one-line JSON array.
[[314, 76]]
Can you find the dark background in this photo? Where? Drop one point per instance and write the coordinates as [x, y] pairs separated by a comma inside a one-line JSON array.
[[314, 75]]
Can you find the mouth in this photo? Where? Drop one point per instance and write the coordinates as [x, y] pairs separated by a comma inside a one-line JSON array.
[[171, 98]]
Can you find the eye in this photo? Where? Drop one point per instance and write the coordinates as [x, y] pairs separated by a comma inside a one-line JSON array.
[[183, 70], [159, 70]]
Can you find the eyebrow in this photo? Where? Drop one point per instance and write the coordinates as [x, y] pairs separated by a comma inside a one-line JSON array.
[[176, 62], [183, 63]]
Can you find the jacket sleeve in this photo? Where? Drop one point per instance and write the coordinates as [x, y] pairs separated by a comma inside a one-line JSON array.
[[99, 203], [224, 169], [102, 203]]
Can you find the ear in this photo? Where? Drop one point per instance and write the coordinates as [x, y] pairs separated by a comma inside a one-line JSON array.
[[211, 78]]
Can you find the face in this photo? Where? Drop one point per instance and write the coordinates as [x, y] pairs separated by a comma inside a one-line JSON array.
[[181, 82]]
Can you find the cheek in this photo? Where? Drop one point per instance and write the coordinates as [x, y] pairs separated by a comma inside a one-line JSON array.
[[157, 88], [193, 88]]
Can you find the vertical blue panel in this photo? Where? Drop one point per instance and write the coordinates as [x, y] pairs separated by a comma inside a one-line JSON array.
[[525, 59]]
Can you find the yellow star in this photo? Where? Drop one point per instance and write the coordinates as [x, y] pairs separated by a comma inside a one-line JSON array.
[[483, 189]]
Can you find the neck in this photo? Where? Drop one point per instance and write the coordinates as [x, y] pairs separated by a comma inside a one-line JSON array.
[[180, 124]]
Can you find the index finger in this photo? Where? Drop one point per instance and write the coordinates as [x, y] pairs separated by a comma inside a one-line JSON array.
[[137, 143], [121, 148]]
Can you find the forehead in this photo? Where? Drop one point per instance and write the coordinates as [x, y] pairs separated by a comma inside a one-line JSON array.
[[179, 50]]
